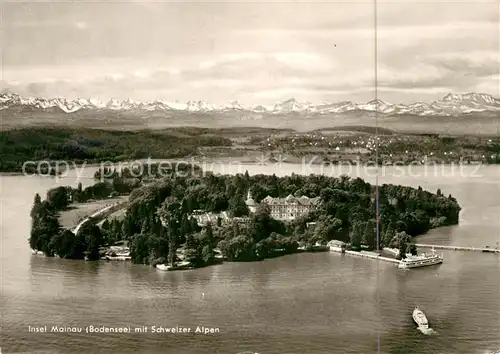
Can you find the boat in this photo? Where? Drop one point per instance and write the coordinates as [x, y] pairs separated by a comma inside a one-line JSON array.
[[162, 267], [123, 254], [419, 318], [337, 246], [177, 266], [422, 260], [117, 258], [489, 249]]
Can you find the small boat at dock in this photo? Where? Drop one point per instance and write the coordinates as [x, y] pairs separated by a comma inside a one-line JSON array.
[[124, 256], [177, 266], [163, 267]]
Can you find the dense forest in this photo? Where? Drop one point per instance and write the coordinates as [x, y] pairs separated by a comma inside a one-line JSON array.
[[157, 223], [92, 145]]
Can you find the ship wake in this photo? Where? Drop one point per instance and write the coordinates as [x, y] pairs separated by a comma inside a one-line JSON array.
[[427, 331]]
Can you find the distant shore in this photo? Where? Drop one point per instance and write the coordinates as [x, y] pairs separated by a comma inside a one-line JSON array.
[[248, 162], [355, 146]]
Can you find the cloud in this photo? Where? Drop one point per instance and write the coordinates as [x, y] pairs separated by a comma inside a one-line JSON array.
[[240, 50], [262, 67], [458, 29], [453, 70], [305, 93], [81, 25]]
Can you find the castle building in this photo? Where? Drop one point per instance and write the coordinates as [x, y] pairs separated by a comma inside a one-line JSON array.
[[285, 209]]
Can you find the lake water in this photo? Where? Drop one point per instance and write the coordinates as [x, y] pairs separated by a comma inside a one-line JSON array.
[[304, 303]]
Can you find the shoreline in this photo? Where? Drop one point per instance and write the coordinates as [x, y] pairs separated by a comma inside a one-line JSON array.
[[248, 162], [233, 161]]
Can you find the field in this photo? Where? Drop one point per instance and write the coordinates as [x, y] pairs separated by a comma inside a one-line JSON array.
[[79, 211]]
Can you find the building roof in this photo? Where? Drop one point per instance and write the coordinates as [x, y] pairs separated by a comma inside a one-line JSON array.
[[291, 200], [336, 243], [205, 218]]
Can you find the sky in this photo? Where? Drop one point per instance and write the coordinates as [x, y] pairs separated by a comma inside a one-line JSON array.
[[252, 52]]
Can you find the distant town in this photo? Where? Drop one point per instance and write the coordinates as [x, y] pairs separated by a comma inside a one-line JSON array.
[[359, 145]]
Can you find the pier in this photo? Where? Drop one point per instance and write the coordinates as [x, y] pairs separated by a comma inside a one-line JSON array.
[[366, 255], [458, 248]]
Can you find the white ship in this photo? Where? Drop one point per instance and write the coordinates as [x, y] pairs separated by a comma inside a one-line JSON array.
[[420, 319], [422, 260]]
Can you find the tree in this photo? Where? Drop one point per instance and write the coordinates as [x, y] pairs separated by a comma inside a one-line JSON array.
[[139, 250], [369, 234], [327, 194], [388, 236], [239, 248], [92, 235], [327, 229], [355, 236], [207, 254], [411, 248], [171, 214], [36, 210], [58, 198], [63, 244], [44, 225], [403, 240], [208, 235], [38, 200], [106, 224], [238, 207]]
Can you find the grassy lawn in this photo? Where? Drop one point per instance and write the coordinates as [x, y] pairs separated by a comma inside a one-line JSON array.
[[79, 211]]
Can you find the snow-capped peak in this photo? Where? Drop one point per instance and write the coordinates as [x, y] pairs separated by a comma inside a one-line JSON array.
[[233, 105], [451, 104], [198, 106], [291, 105]]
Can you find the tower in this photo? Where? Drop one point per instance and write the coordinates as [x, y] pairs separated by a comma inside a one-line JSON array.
[[251, 204]]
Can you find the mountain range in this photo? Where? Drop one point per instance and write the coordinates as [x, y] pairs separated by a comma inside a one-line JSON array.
[[450, 105]]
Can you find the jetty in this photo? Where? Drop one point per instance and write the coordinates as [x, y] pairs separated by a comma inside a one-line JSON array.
[[459, 248], [366, 255]]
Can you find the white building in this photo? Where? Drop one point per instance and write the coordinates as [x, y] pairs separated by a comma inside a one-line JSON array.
[[288, 208]]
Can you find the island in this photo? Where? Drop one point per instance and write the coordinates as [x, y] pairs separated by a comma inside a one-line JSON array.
[[203, 218]]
